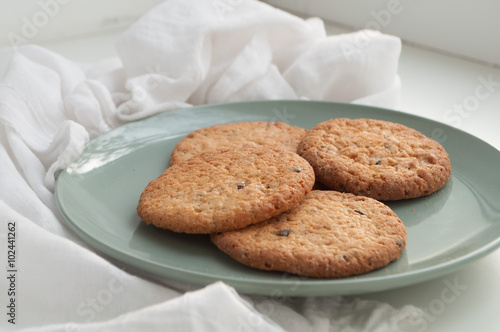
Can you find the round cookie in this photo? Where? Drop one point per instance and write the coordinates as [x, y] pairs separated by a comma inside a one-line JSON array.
[[375, 158], [327, 235], [225, 190], [236, 135]]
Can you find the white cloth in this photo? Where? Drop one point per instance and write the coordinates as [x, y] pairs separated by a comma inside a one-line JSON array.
[[178, 55]]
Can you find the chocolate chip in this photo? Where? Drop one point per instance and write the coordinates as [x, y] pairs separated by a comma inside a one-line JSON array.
[[283, 232], [297, 169], [399, 243], [243, 185], [378, 162], [346, 258], [360, 212], [370, 260], [322, 146]]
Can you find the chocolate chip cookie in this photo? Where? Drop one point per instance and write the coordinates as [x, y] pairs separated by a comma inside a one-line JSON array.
[[327, 235], [226, 190], [375, 158], [236, 135]]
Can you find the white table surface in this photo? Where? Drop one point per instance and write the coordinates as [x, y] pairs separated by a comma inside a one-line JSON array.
[[434, 86]]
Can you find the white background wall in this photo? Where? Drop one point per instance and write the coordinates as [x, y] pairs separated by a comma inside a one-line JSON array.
[[463, 27], [43, 20]]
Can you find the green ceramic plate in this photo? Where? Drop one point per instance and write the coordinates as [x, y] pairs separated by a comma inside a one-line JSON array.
[[98, 195]]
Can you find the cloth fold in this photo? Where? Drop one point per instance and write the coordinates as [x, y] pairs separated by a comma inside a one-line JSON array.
[[180, 54]]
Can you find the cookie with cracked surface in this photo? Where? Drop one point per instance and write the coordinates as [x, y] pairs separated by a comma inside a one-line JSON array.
[[327, 235], [236, 135], [225, 190], [375, 158]]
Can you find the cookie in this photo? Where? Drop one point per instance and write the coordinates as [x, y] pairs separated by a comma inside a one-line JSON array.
[[236, 135], [327, 235], [225, 190], [375, 158]]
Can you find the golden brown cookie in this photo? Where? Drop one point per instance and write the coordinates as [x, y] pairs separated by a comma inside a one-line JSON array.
[[327, 235], [374, 158], [236, 135], [225, 190]]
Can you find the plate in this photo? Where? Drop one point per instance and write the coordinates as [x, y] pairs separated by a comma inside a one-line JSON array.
[[98, 194]]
